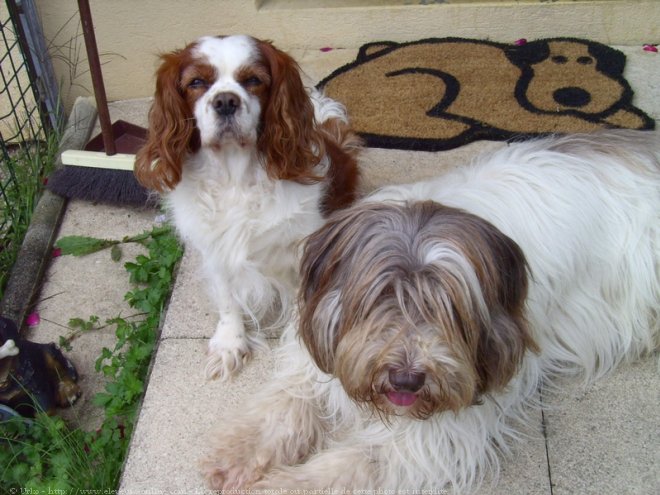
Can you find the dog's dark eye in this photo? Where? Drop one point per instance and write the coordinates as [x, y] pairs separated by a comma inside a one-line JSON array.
[[197, 83], [585, 60], [252, 82], [559, 59]]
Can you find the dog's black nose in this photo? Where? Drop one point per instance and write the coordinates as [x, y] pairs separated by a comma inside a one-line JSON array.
[[226, 104], [572, 97], [407, 381]]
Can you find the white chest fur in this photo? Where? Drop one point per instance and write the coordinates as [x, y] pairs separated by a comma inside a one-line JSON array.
[[246, 226]]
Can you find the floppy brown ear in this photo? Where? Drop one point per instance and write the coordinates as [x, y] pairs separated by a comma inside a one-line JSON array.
[[319, 295], [502, 344], [172, 134], [529, 53], [288, 136]]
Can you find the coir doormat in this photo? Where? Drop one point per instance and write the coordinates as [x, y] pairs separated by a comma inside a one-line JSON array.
[[440, 93]]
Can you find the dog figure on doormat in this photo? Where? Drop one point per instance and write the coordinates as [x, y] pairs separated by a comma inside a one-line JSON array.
[[437, 94], [431, 313]]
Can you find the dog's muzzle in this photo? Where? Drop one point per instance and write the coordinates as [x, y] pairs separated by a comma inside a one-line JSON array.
[[405, 385], [226, 104]]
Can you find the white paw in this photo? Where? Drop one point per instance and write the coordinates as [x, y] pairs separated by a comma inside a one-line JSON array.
[[224, 473], [226, 356], [8, 349]]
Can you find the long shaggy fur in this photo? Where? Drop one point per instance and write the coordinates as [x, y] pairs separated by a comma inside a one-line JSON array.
[[431, 313], [249, 163]]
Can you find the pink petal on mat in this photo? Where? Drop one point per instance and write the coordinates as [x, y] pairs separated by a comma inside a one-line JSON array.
[[326, 49], [520, 42], [57, 252], [33, 319], [650, 48]]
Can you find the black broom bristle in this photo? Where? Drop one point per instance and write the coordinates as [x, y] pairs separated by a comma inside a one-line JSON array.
[[117, 187]]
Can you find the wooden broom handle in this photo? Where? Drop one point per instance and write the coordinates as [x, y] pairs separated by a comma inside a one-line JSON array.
[[97, 77]]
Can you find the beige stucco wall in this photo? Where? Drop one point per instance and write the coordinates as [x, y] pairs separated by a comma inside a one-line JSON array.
[[130, 33]]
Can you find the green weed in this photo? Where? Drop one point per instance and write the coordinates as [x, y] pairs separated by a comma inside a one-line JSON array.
[[45, 453], [22, 176]]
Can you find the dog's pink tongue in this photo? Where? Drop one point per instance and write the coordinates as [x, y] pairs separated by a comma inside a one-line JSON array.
[[401, 398]]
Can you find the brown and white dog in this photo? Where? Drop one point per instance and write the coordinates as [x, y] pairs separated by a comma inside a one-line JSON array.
[[249, 163], [431, 313]]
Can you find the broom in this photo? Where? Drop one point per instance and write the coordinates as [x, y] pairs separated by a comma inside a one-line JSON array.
[[103, 171]]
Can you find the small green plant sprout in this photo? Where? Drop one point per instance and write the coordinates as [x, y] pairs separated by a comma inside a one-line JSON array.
[[46, 454]]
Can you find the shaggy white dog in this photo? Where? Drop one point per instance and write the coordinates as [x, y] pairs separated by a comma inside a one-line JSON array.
[[431, 313]]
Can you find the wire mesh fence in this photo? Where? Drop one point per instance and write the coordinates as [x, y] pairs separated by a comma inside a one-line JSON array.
[[27, 131]]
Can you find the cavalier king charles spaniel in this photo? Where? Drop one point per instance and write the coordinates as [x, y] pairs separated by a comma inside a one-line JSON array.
[[249, 163], [432, 314]]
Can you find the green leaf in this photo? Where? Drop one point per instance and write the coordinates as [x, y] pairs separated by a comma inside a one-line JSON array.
[[137, 238], [115, 253], [64, 343], [142, 259], [101, 399], [77, 245], [130, 266], [105, 354], [76, 323]]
